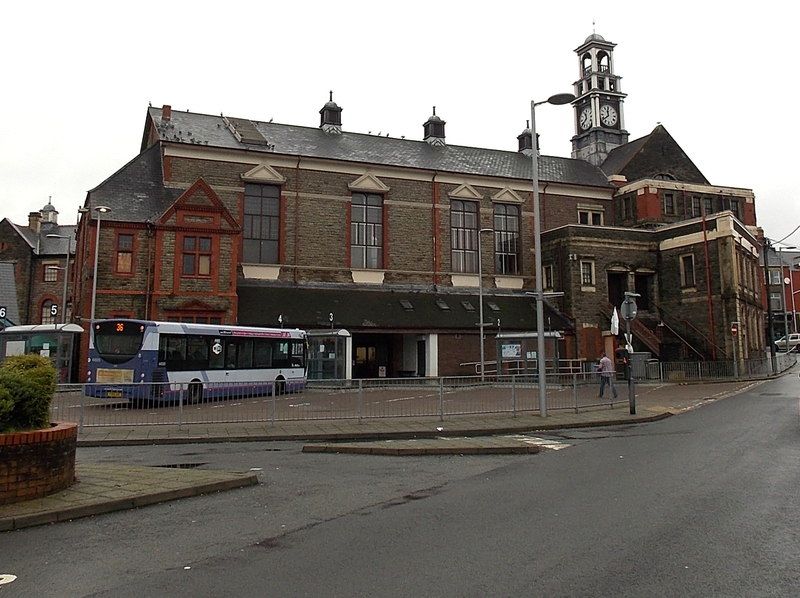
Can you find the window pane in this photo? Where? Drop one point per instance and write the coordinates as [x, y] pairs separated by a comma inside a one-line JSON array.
[[125, 242], [188, 243], [205, 244], [204, 265], [124, 262], [188, 264]]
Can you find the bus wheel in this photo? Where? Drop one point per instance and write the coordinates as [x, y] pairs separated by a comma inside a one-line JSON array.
[[279, 388], [195, 393]]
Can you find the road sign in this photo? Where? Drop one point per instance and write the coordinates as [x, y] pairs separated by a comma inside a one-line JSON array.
[[54, 310], [615, 323], [735, 328]]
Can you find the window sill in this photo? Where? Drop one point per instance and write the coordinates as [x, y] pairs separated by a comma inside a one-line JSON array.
[[509, 282], [367, 276], [588, 289], [261, 271], [687, 290], [464, 280]]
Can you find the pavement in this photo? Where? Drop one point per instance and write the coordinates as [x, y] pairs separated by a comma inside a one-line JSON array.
[[101, 488]]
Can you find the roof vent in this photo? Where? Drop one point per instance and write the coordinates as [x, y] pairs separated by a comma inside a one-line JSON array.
[[245, 131], [330, 117], [434, 130], [442, 305]]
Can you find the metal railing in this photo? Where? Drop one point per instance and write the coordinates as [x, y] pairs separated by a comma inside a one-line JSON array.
[[182, 404]]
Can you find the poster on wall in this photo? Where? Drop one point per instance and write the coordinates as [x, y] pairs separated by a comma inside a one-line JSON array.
[[511, 351]]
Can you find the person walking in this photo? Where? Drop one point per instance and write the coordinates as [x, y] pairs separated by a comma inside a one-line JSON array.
[[606, 370]]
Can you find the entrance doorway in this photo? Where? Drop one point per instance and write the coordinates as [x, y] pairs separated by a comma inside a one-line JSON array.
[[644, 284], [372, 356], [421, 359], [617, 285]]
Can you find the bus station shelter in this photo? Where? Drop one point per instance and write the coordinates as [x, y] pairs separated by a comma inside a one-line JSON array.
[[58, 342]]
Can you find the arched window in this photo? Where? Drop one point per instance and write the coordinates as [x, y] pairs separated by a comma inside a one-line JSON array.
[[664, 176], [586, 64], [603, 62], [49, 312]]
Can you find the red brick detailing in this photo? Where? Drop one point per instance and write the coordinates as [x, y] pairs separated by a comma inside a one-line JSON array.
[[648, 206], [37, 463]]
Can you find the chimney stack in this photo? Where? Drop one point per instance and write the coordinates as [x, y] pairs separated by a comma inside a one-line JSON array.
[[166, 112], [34, 220]]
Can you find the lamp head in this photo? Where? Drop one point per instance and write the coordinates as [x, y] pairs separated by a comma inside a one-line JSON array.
[[102, 209], [561, 98]]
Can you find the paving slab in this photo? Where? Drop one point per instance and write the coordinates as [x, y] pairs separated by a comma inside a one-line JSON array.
[[101, 488]]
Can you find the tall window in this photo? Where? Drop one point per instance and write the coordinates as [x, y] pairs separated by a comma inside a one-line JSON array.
[[506, 238], [696, 207], [547, 277], [366, 231], [124, 253], [50, 271], [669, 203], [261, 223], [49, 312], [708, 205], [687, 271], [464, 235], [196, 256], [587, 274], [736, 209]]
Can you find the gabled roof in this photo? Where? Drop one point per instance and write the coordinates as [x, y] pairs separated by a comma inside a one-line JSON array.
[[136, 192], [40, 243], [8, 294], [212, 131], [653, 156]]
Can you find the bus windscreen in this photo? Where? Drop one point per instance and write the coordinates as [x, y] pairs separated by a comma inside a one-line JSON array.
[[118, 342]]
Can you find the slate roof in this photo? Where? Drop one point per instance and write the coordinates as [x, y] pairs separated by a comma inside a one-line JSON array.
[[619, 157], [360, 310], [41, 244], [8, 294], [212, 131], [136, 192]]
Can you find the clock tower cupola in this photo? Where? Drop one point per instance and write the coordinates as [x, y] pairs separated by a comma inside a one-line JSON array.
[[599, 125]]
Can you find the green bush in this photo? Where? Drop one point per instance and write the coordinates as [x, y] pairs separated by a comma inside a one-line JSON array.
[[27, 384]]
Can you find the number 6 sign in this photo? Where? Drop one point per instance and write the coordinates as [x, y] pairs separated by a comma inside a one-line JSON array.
[[2, 311]]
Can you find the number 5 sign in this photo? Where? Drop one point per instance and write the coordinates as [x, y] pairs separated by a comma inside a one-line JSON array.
[[54, 310]]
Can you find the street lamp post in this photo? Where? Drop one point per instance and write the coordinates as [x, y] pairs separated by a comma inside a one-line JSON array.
[[770, 332], [100, 211], [628, 311], [480, 295], [557, 100]]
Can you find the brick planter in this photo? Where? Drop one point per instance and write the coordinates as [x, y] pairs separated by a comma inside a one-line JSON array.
[[36, 463]]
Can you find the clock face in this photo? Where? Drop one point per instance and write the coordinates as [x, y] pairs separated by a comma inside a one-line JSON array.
[[608, 115], [586, 118]]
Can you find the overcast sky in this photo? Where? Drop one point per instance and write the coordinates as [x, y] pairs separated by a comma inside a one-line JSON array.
[[77, 78]]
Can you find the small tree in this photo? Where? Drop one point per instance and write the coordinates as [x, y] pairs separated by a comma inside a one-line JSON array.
[[27, 384]]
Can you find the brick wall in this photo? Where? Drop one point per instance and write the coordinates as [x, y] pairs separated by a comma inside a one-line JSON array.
[[37, 463]]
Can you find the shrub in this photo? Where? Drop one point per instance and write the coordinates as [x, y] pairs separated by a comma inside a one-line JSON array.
[[27, 384]]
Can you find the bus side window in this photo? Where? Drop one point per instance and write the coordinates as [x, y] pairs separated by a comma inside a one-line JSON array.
[[216, 359], [196, 353], [262, 354], [280, 354], [297, 354], [230, 355], [172, 351], [245, 361]]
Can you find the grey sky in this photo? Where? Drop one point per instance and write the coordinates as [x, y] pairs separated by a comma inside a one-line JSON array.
[[77, 79]]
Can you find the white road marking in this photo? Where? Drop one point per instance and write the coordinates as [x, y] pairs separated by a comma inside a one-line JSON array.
[[6, 578], [553, 445]]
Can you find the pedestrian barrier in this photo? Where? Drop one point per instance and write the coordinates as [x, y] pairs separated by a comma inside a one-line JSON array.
[[186, 404]]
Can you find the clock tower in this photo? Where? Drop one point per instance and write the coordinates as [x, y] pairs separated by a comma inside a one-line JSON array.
[[599, 126]]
